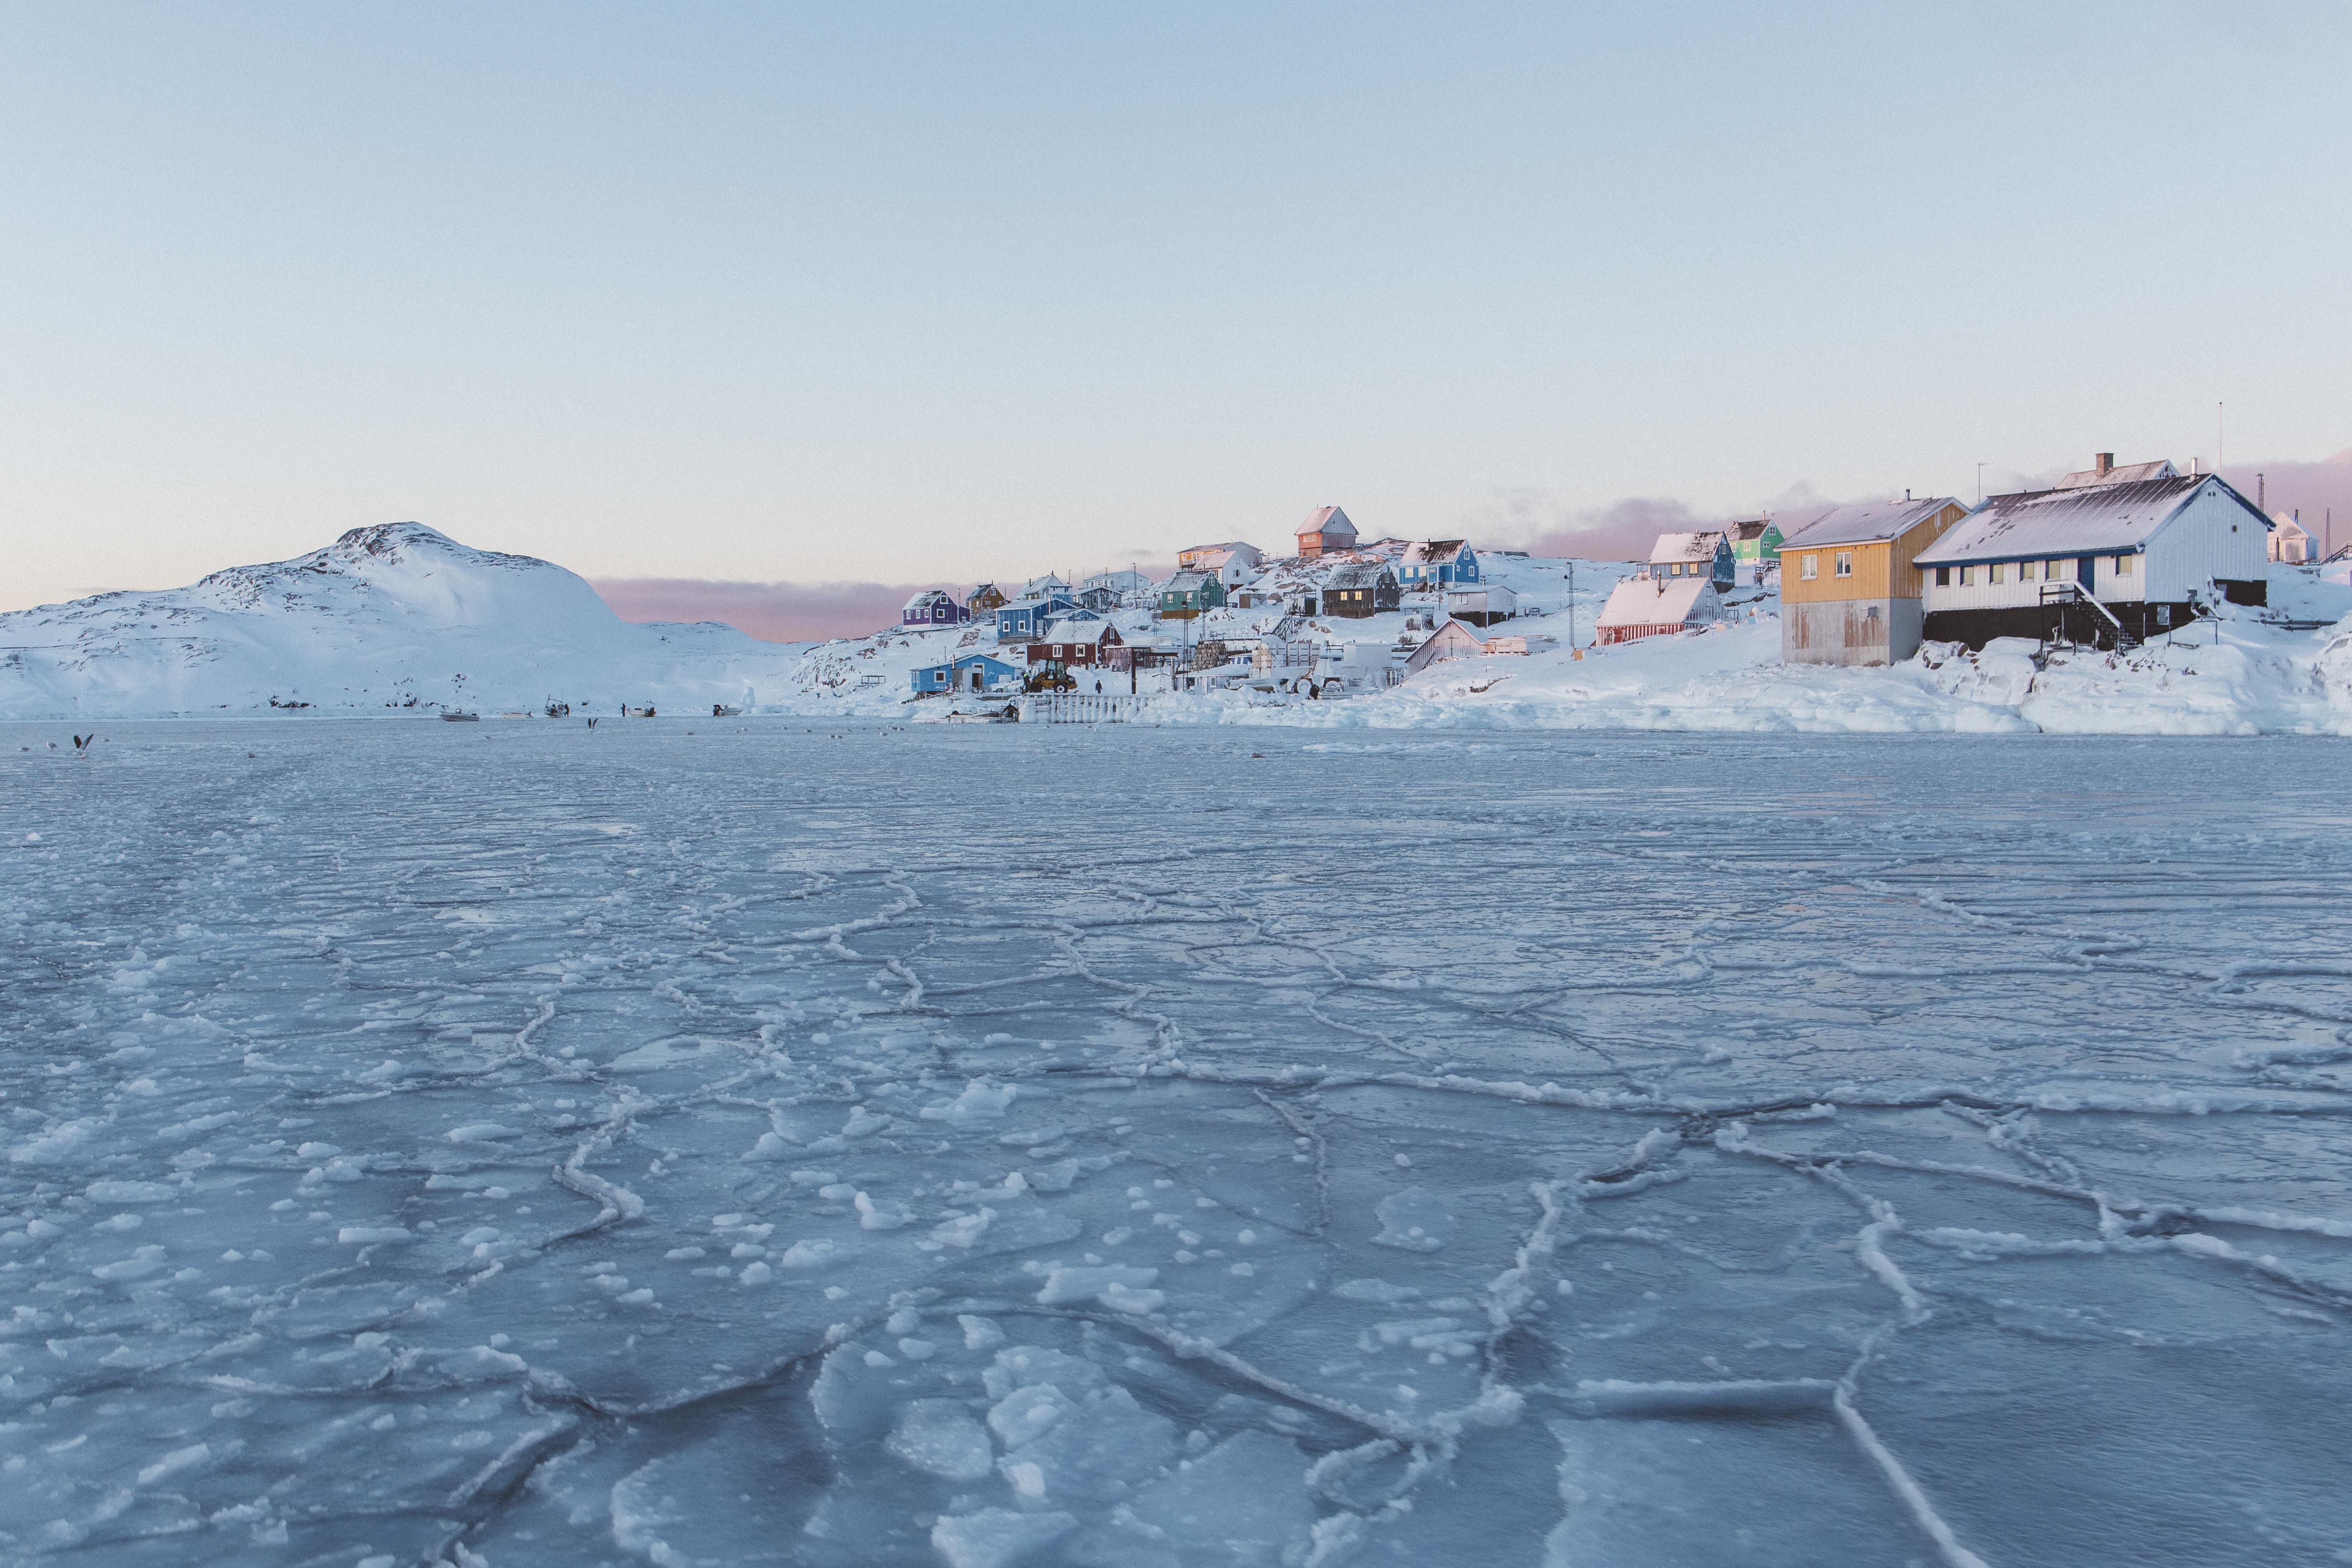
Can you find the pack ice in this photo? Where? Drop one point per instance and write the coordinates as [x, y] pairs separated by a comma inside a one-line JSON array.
[[985, 1147]]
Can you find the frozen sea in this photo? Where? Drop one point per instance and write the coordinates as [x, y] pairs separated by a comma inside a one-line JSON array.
[[740, 1143]]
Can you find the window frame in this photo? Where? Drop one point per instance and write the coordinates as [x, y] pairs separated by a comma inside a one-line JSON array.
[[1808, 568], [1842, 563]]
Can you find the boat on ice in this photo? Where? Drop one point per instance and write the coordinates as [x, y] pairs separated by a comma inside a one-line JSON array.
[[452, 717]]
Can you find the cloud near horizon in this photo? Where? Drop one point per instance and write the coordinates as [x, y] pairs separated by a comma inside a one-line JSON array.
[[773, 612]]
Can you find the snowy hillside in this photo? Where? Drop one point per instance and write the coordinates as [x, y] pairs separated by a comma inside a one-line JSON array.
[[390, 616]]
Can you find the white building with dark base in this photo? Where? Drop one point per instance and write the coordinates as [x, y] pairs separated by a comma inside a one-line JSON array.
[[2096, 559]]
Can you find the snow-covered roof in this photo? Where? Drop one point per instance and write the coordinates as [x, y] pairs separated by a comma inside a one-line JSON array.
[[1435, 551], [924, 600], [1697, 546], [1864, 524], [1189, 582], [2129, 474], [1327, 520], [1359, 575], [1078, 631], [1659, 600], [1482, 594], [2084, 520]]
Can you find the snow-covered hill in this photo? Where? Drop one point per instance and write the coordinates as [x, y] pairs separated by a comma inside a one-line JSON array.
[[392, 616]]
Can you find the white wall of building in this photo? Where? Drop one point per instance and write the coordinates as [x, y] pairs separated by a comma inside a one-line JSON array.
[[2194, 547]]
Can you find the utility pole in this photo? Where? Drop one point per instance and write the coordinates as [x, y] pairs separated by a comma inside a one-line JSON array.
[[2261, 500]]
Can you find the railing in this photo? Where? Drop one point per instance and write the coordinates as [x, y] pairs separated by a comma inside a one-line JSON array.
[[1081, 708], [2072, 594]]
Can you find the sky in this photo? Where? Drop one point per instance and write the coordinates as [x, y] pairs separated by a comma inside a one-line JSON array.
[[772, 312]]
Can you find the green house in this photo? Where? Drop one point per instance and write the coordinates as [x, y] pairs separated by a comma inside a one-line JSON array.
[[1187, 594], [1756, 541]]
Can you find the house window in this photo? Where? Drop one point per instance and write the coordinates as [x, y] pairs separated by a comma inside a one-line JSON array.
[[1942, 576], [2053, 571], [2025, 571], [1993, 572], [1968, 577], [2164, 615], [1809, 567], [2122, 566], [1846, 562]]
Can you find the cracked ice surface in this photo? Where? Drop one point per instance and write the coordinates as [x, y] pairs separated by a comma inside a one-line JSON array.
[[521, 1146]]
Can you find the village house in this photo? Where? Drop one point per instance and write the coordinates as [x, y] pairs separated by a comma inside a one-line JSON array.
[[986, 600], [1849, 589], [1325, 531], [1187, 594], [1077, 645], [965, 672], [1705, 553], [2109, 555], [1359, 589], [933, 607], [1437, 564], [1482, 604], [1657, 606], [1754, 542], [1044, 587], [1232, 563], [1101, 600], [1022, 620], [1133, 588]]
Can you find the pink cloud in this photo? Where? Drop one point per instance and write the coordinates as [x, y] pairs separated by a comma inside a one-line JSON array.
[[776, 611]]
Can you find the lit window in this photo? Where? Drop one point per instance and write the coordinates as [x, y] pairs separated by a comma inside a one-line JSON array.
[[1809, 567], [1846, 562]]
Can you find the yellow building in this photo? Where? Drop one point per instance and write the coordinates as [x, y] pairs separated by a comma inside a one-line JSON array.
[[1849, 588]]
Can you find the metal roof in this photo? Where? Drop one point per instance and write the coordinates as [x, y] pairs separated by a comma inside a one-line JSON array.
[[1656, 601], [1435, 551], [2088, 520], [2128, 474], [1359, 575], [1327, 520], [1867, 524]]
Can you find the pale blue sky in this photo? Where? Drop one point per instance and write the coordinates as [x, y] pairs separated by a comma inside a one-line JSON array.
[[949, 292]]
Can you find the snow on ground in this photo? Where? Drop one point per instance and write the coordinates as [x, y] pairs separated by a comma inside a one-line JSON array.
[[976, 1146], [2237, 675], [389, 616]]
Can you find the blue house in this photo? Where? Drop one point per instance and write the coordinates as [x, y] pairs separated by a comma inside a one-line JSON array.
[[967, 672], [933, 607], [1024, 618], [1438, 564]]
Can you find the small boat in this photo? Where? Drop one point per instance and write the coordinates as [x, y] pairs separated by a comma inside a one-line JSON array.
[[629, 712], [720, 710], [455, 718]]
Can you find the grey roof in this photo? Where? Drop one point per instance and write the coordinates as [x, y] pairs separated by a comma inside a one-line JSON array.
[[2083, 521], [1864, 524], [1188, 582], [1435, 551], [1076, 631], [1360, 575], [1699, 546], [2128, 474]]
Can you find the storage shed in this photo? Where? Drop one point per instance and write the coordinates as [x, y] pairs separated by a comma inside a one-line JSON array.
[[1657, 606], [966, 672]]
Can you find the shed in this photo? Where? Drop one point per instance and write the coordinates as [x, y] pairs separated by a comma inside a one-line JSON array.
[[1657, 606], [933, 607], [1849, 590], [1483, 604], [1452, 640], [1360, 589], [966, 672], [2109, 563]]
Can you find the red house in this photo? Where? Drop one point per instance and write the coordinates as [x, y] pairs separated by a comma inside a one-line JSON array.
[[1077, 645]]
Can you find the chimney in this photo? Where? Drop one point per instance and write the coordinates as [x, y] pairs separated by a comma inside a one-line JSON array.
[[2105, 462]]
